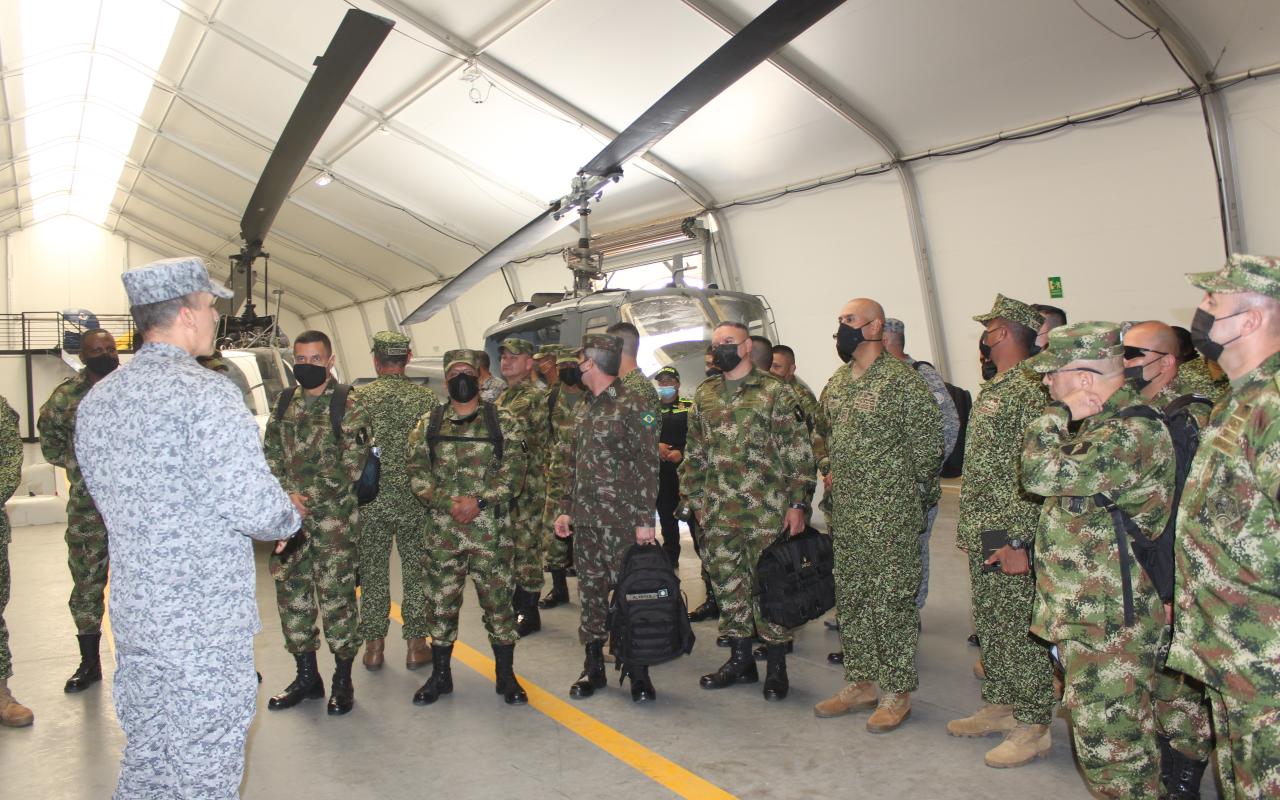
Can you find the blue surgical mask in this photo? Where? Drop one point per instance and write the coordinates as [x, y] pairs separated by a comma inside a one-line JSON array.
[[667, 393]]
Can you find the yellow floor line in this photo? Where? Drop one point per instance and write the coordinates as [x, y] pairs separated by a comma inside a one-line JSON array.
[[625, 749]]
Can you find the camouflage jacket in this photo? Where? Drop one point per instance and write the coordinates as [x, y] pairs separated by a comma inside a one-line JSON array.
[[468, 468], [491, 388], [748, 455], [609, 475], [57, 427], [1130, 460], [883, 434], [563, 417], [991, 496], [308, 459], [394, 405], [1228, 546], [10, 462], [528, 404], [644, 387], [1194, 378]]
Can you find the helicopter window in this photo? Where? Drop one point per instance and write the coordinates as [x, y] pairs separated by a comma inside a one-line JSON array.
[[546, 331], [740, 309], [272, 380], [668, 327], [242, 383], [596, 324]]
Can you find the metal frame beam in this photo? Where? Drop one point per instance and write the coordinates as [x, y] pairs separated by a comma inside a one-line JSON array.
[[8, 129]]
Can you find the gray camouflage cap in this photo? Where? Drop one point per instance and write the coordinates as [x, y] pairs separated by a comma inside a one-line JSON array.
[[1082, 341], [390, 343], [170, 279], [1241, 273], [1012, 310], [892, 325], [602, 341]]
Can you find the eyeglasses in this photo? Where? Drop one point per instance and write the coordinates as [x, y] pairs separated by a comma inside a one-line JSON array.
[[1131, 352]]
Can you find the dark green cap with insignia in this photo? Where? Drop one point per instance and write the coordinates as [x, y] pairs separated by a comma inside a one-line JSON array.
[[390, 343], [517, 347], [666, 372], [602, 341], [1012, 310], [1083, 341], [1242, 273], [467, 357]]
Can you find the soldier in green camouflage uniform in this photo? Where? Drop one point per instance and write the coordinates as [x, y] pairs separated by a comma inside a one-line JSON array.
[[1108, 661], [1018, 689], [394, 405], [605, 488], [883, 432], [316, 570], [86, 534], [468, 484], [747, 471], [1227, 621], [12, 713], [563, 400], [1194, 377], [1181, 708], [528, 404]]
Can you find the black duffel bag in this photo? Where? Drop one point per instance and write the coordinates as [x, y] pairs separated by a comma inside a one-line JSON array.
[[795, 580]]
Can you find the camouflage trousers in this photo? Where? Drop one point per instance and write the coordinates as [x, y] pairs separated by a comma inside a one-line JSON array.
[[1182, 711], [483, 549], [527, 532], [1019, 672], [6, 658], [877, 578], [597, 554], [1248, 753], [731, 556], [88, 559], [379, 525], [1108, 693], [185, 715], [319, 576]]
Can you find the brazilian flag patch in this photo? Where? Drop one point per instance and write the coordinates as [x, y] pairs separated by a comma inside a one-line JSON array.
[[649, 419]]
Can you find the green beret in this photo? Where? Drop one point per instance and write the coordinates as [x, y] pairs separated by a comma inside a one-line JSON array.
[[467, 357], [516, 346], [390, 343], [1012, 310], [1083, 341], [1242, 273], [602, 341]]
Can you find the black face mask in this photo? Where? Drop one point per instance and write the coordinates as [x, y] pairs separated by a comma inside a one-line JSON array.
[[847, 340], [988, 370], [713, 371], [1134, 374], [1201, 324], [102, 365], [310, 376], [462, 387], [725, 357], [571, 376]]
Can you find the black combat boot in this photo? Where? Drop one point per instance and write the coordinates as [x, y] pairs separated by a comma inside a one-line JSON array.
[[504, 671], [709, 608], [528, 620], [762, 651], [593, 676], [342, 695], [1179, 776], [306, 686], [776, 684], [642, 690], [441, 680], [559, 590], [90, 670], [740, 668]]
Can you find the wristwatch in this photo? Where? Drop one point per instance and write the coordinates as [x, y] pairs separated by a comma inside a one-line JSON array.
[[481, 504], [800, 507]]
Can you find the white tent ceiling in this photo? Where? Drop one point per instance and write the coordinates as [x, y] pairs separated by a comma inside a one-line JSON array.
[[425, 179]]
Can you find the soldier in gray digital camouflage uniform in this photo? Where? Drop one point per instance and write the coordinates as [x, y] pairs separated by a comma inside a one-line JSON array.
[[171, 458]]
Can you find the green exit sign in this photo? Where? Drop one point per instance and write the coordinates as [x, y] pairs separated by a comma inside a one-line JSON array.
[[1055, 287]]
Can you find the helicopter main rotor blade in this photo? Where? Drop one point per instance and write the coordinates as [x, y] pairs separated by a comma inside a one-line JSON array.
[[352, 48], [776, 26]]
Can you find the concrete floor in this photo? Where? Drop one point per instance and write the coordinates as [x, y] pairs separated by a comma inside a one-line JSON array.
[[470, 745]]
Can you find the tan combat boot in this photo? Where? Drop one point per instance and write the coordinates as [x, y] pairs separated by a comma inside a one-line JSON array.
[[1024, 744], [853, 697], [893, 709], [373, 654], [989, 719], [12, 713], [418, 654], [979, 671]]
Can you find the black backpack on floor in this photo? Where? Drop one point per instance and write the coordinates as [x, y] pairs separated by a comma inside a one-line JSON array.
[[795, 579], [648, 618]]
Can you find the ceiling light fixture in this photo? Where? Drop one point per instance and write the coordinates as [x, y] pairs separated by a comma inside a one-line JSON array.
[[324, 179]]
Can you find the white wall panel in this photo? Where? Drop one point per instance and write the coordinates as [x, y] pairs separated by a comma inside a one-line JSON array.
[[1255, 119]]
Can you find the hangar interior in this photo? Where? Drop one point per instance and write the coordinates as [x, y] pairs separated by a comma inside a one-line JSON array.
[[926, 154]]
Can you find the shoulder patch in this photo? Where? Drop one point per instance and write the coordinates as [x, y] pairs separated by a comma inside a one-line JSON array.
[[648, 419], [866, 401]]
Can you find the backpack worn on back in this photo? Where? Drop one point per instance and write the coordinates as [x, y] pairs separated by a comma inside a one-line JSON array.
[[491, 424], [953, 466], [371, 474], [795, 579], [648, 618], [1155, 556]]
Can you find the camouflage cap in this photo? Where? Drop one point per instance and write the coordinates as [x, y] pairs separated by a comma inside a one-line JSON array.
[[892, 325], [602, 341], [547, 351], [1082, 341], [666, 372], [1242, 273], [516, 346], [566, 355], [1012, 310], [390, 343], [467, 357], [169, 279]]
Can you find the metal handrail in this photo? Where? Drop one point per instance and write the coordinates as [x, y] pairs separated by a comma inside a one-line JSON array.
[[51, 332]]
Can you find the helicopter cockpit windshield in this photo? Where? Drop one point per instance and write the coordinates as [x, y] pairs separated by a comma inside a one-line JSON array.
[[675, 328]]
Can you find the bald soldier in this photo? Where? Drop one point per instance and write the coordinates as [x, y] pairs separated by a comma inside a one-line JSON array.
[[1227, 620], [883, 434], [528, 404], [86, 534]]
